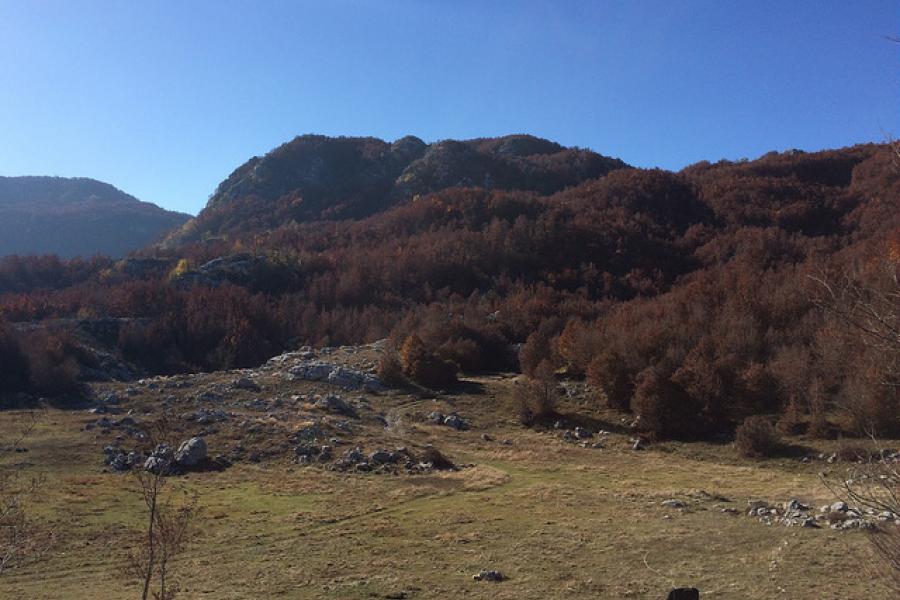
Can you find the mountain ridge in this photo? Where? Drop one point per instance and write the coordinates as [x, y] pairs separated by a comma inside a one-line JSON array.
[[316, 177], [76, 216]]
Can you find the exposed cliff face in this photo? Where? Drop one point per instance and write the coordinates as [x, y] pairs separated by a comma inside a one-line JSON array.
[[76, 217]]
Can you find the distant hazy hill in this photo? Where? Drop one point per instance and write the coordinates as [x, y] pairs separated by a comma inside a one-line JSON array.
[[315, 177], [79, 216]]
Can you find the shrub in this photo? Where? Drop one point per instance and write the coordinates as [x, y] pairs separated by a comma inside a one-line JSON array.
[[53, 365], [464, 352], [758, 390], [13, 362], [577, 343], [873, 409], [423, 366], [608, 373], [791, 421], [390, 371], [818, 419], [475, 347], [848, 452], [663, 408], [535, 398], [538, 347], [756, 438]]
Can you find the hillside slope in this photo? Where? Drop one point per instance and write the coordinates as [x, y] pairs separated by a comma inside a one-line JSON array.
[[76, 217], [315, 177], [688, 299]]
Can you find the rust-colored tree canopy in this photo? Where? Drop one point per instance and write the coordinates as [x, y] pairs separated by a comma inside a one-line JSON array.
[[687, 298]]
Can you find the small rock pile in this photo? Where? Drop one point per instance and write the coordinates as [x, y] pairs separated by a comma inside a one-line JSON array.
[[128, 425], [247, 384], [838, 516], [344, 377], [581, 436], [489, 575], [119, 460], [336, 405], [191, 455], [205, 416], [453, 420], [379, 461]]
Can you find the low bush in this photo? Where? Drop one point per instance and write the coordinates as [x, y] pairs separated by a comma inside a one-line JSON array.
[[53, 365], [791, 420], [663, 408], [423, 366], [874, 410], [390, 371], [608, 373], [14, 370], [757, 438], [849, 452], [535, 398], [538, 348]]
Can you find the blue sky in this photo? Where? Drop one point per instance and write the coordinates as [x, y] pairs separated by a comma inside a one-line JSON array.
[[165, 99]]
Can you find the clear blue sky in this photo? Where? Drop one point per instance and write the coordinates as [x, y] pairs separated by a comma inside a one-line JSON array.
[[165, 99]]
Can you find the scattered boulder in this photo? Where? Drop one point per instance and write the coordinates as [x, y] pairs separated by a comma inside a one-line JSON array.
[[432, 458], [311, 371], [204, 416], [352, 457], [840, 507], [307, 453], [382, 457], [672, 503], [191, 453], [157, 465], [160, 460], [349, 379], [456, 422], [489, 575], [310, 433], [245, 383], [795, 513], [118, 460], [110, 398], [210, 396], [336, 405]]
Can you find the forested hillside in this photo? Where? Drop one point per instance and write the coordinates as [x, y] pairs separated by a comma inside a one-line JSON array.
[[76, 217], [315, 177], [689, 298]]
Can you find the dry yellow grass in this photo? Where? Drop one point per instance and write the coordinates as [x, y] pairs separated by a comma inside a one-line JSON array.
[[559, 520]]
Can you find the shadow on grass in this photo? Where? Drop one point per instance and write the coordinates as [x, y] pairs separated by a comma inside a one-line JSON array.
[[573, 420], [77, 400], [424, 393], [793, 450]]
